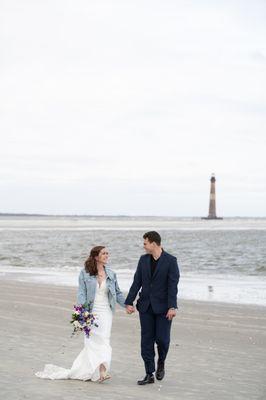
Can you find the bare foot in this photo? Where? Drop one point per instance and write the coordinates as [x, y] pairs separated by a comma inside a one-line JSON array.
[[103, 374], [104, 378]]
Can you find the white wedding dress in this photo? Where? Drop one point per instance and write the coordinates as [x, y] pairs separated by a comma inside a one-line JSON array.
[[97, 349]]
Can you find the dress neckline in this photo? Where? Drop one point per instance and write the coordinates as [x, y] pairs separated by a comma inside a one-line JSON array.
[[100, 285]]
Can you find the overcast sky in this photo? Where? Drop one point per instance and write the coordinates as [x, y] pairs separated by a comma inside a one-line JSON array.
[[128, 107]]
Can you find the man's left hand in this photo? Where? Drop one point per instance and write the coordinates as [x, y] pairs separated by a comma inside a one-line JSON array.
[[171, 313]]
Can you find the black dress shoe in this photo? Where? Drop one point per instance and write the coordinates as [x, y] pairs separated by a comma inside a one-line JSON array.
[[160, 372], [149, 378]]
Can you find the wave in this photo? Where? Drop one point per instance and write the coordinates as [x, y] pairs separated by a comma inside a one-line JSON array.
[[260, 270]]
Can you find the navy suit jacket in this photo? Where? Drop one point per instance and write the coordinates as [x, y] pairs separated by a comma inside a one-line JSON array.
[[159, 290]]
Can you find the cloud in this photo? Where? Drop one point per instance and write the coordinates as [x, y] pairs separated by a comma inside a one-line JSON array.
[[145, 99]]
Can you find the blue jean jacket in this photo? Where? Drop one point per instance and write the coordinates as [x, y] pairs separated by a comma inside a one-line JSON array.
[[87, 289]]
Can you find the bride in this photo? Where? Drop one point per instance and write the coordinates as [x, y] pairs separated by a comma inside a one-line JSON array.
[[97, 285]]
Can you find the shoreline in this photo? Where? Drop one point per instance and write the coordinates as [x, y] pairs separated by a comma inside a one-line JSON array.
[[228, 289], [22, 214], [180, 300]]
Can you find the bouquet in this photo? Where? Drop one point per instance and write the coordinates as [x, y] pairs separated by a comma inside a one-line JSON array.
[[83, 319]]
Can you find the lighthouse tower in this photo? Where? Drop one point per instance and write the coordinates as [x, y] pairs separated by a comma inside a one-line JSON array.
[[212, 205]]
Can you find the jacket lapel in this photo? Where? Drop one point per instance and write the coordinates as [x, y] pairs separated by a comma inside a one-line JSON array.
[[148, 267]]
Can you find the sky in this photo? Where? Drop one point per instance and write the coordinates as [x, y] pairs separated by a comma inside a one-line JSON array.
[[127, 108]]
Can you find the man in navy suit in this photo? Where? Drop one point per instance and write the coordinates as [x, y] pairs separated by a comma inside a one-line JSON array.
[[157, 276]]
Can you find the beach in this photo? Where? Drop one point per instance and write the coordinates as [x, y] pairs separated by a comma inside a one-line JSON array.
[[217, 350]]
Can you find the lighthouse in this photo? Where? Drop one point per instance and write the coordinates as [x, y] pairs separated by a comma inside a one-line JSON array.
[[212, 204]]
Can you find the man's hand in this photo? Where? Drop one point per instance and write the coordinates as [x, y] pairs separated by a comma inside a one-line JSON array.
[[130, 309], [171, 313]]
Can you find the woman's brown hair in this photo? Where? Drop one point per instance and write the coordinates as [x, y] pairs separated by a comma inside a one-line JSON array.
[[91, 263]]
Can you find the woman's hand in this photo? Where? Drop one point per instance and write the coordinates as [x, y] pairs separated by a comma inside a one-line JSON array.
[[130, 309]]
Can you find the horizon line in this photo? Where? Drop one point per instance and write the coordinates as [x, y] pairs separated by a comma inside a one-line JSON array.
[[117, 215]]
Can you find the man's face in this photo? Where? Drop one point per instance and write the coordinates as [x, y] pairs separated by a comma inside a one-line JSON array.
[[148, 246]]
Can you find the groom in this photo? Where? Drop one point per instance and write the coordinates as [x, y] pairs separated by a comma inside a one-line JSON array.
[[157, 276]]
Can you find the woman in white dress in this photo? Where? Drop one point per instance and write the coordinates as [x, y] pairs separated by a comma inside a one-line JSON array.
[[98, 286]]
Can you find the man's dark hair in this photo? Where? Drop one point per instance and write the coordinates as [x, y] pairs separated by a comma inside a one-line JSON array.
[[153, 236]]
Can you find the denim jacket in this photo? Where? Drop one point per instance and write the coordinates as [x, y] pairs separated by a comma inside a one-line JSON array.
[[87, 289]]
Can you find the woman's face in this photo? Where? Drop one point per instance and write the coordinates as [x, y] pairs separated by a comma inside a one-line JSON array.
[[103, 256]]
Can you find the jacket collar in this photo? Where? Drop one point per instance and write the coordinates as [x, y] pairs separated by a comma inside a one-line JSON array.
[[109, 273]]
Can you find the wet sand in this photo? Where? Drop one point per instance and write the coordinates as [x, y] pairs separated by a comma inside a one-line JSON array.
[[218, 351]]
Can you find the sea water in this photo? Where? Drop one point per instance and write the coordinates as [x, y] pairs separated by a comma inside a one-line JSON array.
[[223, 260]]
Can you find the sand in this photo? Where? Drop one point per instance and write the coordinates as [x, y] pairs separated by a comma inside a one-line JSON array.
[[218, 351]]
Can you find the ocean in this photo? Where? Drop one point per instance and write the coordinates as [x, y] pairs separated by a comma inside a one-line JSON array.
[[222, 261]]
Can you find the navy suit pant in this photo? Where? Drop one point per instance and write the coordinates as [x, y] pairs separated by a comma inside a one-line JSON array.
[[155, 328]]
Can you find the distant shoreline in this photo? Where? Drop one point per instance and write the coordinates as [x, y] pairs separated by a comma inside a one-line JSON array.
[[117, 216]]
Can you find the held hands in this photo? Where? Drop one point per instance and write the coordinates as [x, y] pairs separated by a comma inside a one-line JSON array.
[[130, 309], [171, 313]]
